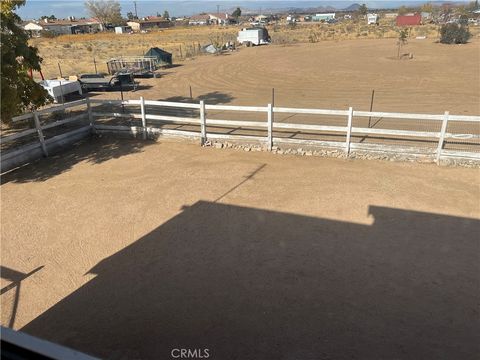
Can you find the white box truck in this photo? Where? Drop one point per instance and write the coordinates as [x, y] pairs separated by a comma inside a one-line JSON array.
[[253, 36]]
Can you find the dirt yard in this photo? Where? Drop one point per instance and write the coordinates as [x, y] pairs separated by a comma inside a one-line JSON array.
[[331, 75], [127, 250], [75, 53]]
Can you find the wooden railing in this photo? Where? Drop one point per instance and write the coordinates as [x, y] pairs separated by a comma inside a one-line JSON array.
[[154, 124], [270, 126]]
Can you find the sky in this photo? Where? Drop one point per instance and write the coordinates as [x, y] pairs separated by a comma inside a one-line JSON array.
[[64, 8]]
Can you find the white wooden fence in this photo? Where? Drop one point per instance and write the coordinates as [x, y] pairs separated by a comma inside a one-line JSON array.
[[150, 122], [269, 125]]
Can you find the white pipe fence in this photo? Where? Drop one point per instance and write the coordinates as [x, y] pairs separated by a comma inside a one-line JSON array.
[[149, 125]]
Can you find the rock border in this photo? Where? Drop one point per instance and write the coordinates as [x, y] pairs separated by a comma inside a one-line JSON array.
[[336, 153]]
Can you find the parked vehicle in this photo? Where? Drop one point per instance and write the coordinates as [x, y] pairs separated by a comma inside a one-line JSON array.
[[57, 89], [372, 19], [100, 82], [95, 82], [253, 36]]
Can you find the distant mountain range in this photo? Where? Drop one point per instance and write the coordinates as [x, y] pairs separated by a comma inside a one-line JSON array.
[[353, 7], [63, 9]]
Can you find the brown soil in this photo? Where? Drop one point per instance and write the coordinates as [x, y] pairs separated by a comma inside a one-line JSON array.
[[146, 247], [332, 75]]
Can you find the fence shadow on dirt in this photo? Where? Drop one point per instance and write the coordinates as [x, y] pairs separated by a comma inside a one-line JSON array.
[[211, 98], [93, 150], [14, 279], [254, 284]]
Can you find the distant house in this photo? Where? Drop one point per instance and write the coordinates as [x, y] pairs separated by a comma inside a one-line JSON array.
[[323, 17], [291, 18], [426, 15], [202, 19], [211, 19], [390, 15], [149, 23], [409, 20], [261, 18], [33, 29], [65, 27], [220, 19]]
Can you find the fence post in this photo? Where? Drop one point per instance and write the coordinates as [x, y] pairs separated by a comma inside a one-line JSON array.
[[89, 110], [144, 119], [349, 130], [442, 136], [40, 133], [203, 123], [270, 127]]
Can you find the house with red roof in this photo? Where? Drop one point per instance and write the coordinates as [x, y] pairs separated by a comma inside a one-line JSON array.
[[409, 20]]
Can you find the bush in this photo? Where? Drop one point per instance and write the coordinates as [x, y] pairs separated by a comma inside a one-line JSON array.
[[47, 34], [454, 34]]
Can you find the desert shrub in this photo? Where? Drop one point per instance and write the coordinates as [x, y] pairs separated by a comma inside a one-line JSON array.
[[89, 48], [313, 37], [47, 34], [454, 34], [67, 46], [292, 26]]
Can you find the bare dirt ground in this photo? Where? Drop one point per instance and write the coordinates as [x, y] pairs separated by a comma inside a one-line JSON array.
[[76, 53], [138, 248], [332, 75]]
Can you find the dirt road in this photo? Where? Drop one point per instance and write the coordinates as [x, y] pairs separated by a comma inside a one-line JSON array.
[[128, 249]]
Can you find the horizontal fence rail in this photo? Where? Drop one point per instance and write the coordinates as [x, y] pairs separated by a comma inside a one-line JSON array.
[[194, 121]]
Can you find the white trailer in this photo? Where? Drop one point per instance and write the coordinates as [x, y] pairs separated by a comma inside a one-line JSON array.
[[59, 88], [123, 29], [372, 19], [253, 36]]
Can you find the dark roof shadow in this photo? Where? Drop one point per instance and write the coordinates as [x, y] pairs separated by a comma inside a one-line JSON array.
[[254, 284]]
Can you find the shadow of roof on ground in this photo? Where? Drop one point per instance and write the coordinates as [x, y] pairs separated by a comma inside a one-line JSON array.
[[255, 284]]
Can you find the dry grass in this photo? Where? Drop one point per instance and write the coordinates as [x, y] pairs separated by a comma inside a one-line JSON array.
[[75, 53]]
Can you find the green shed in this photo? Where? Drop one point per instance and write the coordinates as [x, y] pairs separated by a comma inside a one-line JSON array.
[[162, 57]]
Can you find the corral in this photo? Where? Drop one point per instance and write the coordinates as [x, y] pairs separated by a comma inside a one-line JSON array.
[[128, 248], [125, 249]]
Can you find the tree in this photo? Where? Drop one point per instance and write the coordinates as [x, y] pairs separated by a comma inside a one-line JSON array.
[[363, 10], [237, 13], [106, 11], [130, 16], [402, 10], [463, 19], [474, 5], [19, 91], [428, 8], [402, 40], [51, 17], [166, 15], [454, 34]]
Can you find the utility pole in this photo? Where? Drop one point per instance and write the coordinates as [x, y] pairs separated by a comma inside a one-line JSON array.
[[218, 9], [135, 5]]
